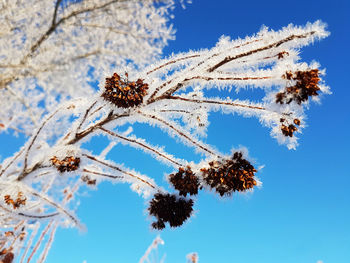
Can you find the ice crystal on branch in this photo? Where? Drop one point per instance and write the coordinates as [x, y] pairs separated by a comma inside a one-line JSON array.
[[170, 95]]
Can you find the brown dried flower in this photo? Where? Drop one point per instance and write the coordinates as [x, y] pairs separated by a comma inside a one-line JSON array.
[[282, 54], [169, 208], [6, 256], [88, 180], [124, 93], [305, 87], [296, 122], [185, 181], [18, 202], [68, 164], [289, 129], [228, 176]]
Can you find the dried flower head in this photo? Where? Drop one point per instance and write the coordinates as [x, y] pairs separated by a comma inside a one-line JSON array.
[[86, 179], [18, 202], [6, 256], [306, 86], [228, 176], [185, 181], [124, 93], [289, 129], [296, 122], [68, 164], [282, 54], [169, 208]]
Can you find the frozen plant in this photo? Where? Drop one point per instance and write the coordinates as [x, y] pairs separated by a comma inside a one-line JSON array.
[[39, 182], [53, 50]]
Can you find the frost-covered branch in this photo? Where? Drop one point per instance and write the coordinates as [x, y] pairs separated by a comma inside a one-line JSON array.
[[171, 95], [54, 50]]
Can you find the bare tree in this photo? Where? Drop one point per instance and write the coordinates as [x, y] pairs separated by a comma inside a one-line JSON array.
[[52, 51], [39, 182]]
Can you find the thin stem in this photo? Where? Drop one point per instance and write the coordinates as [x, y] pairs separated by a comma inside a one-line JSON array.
[[274, 45], [38, 243], [110, 117], [217, 102], [35, 136], [143, 145], [103, 174], [180, 85], [119, 170], [180, 133], [206, 59], [30, 241], [172, 62], [86, 114], [12, 161]]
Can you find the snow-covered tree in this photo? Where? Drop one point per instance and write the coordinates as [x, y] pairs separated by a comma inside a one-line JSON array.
[[52, 51], [39, 182]]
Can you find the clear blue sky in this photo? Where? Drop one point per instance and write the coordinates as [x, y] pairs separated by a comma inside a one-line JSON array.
[[302, 212]]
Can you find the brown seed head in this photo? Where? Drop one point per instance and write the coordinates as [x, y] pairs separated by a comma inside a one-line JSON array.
[[16, 203], [169, 208], [124, 93], [185, 181], [228, 176], [88, 180], [68, 164], [306, 86]]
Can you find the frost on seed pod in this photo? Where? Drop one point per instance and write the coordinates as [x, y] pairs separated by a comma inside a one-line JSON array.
[[185, 181], [68, 164], [289, 129], [306, 86], [124, 93], [169, 208], [17, 202], [230, 175]]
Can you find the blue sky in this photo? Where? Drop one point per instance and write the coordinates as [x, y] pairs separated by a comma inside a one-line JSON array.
[[302, 212]]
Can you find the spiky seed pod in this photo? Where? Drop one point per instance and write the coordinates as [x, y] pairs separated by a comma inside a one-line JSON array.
[[68, 164], [185, 181], [124, 93], [230, 175], [18, 202], [169, 208], [306, 86]]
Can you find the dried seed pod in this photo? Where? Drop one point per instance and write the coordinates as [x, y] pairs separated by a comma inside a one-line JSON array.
[[124, 93], [88, 180], [228, 176], [6, 256], [296, 122], [288, 130], [306, 86], [282, 54], [68, 164], [18, 202], [185, 181], [169, 208]]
